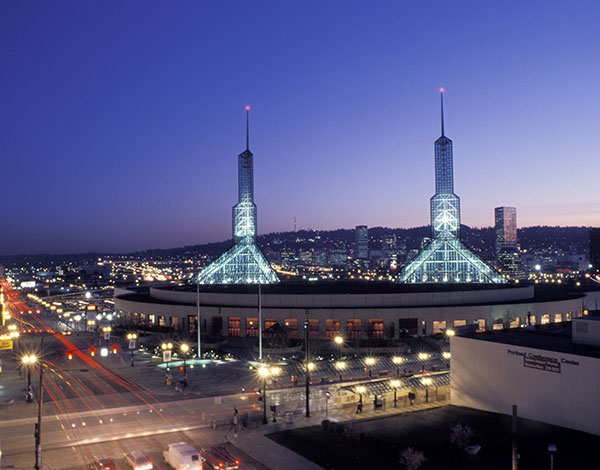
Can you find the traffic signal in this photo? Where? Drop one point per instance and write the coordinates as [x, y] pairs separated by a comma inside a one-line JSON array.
[[114, 349], [92, 352], [180, 367], [69, 355]]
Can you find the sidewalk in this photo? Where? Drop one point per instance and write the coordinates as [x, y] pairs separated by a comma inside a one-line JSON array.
[[256, 444]]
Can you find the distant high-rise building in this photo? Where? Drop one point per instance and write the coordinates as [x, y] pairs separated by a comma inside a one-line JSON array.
[[361, 234], [595, 249], [445, 258], [243, 263], [507, 250], [505, 227]]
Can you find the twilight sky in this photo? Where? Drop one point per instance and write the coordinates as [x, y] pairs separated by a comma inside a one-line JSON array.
[[121, 121]]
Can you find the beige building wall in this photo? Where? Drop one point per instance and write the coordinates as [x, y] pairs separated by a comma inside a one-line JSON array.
[[552, 387]]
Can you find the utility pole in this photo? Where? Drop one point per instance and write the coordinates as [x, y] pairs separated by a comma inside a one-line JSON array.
[[307, 361], [515, 459], [38, 427], [198, 313], [260, 327]]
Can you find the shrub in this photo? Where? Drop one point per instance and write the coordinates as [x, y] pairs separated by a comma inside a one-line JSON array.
[[411, 459], [351, 431], [461, 435]]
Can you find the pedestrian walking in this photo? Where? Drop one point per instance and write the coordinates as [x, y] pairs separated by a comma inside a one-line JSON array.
[[411, 397]]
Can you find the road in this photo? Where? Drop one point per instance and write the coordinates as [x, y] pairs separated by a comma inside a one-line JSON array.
[[91, 411]]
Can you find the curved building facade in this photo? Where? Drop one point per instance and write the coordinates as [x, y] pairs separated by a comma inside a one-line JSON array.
[[354, 310]]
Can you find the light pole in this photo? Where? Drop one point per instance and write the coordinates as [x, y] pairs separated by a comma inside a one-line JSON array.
[[28, 361], [370, 361], [340, 366], [106, 330], [551, 449], [397, 360], [77, 319], [264, 373], [198, 315], [166, 349], [307, 361], [132, 337], [184, 349], [360, 389], [395, 384], [427, 382]]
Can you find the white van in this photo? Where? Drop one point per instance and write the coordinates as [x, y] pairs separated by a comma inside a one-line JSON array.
[[182, 456], [138, 461]]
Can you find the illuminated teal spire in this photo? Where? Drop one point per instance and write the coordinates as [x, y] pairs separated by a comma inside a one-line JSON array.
[[445, 258], [243, 263]]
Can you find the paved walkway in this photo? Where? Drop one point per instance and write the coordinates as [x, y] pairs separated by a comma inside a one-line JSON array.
[[256, 444]]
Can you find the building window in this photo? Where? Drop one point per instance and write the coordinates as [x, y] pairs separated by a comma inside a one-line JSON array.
[[291, 325], [375, 328], [332, 328], [481, 324], [515, 322], [269, 322], [558, 318], [439, 326], [234, 326], [354, 329], [458, 323], [252, 327], [532, 319], [498, 324], [545, 319], [408, 327], [569, 316]]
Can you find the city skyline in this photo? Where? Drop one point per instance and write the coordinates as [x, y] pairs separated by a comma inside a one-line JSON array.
[[117, 149]]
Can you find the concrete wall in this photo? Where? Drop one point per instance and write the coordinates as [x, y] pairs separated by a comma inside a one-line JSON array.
[[493, 376]]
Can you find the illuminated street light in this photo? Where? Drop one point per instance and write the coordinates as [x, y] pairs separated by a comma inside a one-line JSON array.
[[360, 390], [423, 356], [29, 361], [340, 366], [370, 361], [427, 382], [132, 337], [166, 348], [397, 360], [395, 384], [447, 355], [184, 349], [264, 372]]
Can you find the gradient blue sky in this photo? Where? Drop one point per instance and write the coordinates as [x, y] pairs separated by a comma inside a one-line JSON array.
[[121, 121]]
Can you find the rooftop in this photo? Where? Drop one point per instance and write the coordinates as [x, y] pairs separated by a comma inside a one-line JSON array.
[[552, 337]]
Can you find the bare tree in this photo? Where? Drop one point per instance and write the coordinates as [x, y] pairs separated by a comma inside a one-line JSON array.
[[461, 435], [411, 459]]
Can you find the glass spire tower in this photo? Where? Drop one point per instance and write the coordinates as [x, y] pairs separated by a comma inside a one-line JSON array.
[[243, 263], [445, 258]]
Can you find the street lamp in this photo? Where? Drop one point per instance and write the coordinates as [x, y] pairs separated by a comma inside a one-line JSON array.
[[427, 382], [551, 449], [184, 349], [360, 390], [339, 341], [77, 319], [167, 348], [106, 330], [340, 366], [370, 361], [132, 337], [397, 360], [395, 384], [29, 361], [264, 372]]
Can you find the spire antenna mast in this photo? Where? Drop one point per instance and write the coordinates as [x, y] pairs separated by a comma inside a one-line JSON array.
[[247, 127], [442, 108]]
